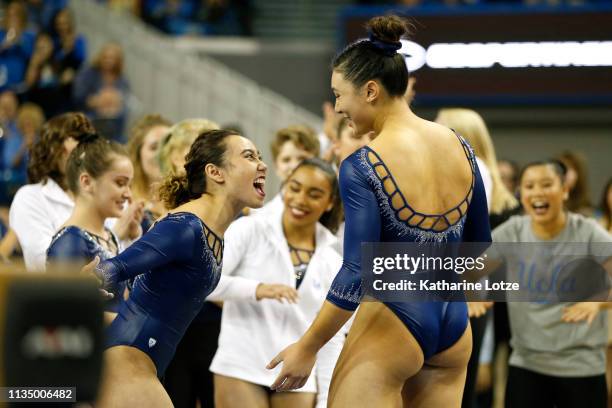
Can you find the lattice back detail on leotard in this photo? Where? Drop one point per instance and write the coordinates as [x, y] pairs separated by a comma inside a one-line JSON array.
[[408, 215], [215, 244]]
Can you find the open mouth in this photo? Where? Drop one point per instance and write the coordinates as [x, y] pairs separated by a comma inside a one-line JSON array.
[[259, 185], [540, 207], [298, 212]]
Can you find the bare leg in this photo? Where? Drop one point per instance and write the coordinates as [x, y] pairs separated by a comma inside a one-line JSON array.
[[234, 393], [378, 356], [441, 380], [130, 380], [293, 400]]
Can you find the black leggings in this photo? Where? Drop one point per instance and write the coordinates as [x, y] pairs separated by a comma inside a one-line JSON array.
[[527, 389], [188, 378]]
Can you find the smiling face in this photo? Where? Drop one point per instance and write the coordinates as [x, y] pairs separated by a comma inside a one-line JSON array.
[[354, 103], [542, 193], [307, 196], [111, 190], [244, 172]]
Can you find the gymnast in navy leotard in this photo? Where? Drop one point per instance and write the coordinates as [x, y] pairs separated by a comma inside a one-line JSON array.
[[78, 247], [98, 173], [435, 325], [417, 181], [175, 265]]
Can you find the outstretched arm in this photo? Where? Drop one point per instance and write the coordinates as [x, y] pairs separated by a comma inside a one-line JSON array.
[[169, 240], [362, 216]]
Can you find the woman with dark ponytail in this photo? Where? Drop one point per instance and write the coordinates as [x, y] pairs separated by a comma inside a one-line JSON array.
[[175, 265], [415, 182]]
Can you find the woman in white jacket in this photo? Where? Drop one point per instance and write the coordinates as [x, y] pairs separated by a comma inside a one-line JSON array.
[[294, 248], [39, 209]]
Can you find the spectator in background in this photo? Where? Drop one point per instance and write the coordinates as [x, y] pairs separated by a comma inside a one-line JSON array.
[[30, 119], [16, 46], [143, 148], [199, 17], [41, 12], [13, 160], [102, 91], [577, 180], [509, 171], [605, 206], [171, 16], [225, 17], [70, 47], [43, 81], [290, 146]]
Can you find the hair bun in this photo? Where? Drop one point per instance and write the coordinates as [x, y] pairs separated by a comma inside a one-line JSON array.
[[389, 29]]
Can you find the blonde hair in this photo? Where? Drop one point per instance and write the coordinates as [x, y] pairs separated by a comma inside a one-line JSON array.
[[180, 136], [141, 184], [472, 127], [97, 61], [301, 135]]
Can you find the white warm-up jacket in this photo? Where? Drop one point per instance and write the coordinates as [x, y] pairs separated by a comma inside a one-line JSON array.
[[37, 212], [253, 332]]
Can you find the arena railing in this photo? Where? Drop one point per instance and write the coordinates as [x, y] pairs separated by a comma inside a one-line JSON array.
[[168, 80]]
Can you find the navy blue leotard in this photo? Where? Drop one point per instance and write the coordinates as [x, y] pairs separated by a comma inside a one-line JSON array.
[[371, 216], [79, 247], [176, 264]]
